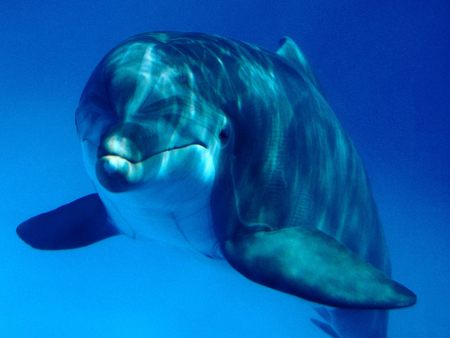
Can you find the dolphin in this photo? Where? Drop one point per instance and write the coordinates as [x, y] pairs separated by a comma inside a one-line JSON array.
[[217, 145]]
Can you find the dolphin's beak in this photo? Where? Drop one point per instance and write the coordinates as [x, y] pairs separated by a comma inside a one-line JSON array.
[[118, 174], [127, 155], [119, 158]]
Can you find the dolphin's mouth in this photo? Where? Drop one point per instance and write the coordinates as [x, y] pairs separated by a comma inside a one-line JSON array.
[[136, 157], [118, 171]]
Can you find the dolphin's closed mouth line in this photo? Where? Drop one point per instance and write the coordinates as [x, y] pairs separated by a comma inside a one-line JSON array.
[[176, 148], [152, 154]]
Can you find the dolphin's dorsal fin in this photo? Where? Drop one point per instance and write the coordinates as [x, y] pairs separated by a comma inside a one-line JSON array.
[[294, 56]]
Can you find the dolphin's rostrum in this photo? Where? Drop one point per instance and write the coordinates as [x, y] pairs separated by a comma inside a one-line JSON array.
[[207, 142]]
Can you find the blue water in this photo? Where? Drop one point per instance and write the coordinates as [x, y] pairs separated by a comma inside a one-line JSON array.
[[385, 69]]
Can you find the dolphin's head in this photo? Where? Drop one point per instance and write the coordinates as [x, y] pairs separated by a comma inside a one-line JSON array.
[[142, 124], [173, 118]]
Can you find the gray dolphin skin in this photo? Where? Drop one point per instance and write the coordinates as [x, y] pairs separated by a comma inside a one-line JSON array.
[[216, 145]]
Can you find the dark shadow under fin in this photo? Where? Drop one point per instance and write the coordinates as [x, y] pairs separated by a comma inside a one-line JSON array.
[[73, 225], [325, 323], [324, 313], [326, 328], [314, 266]]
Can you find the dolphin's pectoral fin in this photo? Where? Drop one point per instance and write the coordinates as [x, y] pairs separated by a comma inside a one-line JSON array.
[[76, 224], [312, 265]]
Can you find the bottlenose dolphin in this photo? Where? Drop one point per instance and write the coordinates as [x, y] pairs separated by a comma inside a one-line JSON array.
[[214, 144]]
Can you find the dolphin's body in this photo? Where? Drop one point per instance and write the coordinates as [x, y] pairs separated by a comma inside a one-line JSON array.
[[200, 141]]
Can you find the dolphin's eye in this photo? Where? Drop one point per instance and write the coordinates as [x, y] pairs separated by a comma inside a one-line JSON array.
[[224, 135]]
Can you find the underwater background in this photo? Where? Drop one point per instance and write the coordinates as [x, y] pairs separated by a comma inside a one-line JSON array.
[[385, 69]]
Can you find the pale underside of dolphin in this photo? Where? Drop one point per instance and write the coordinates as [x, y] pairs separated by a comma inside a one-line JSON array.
[[214, 144]]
